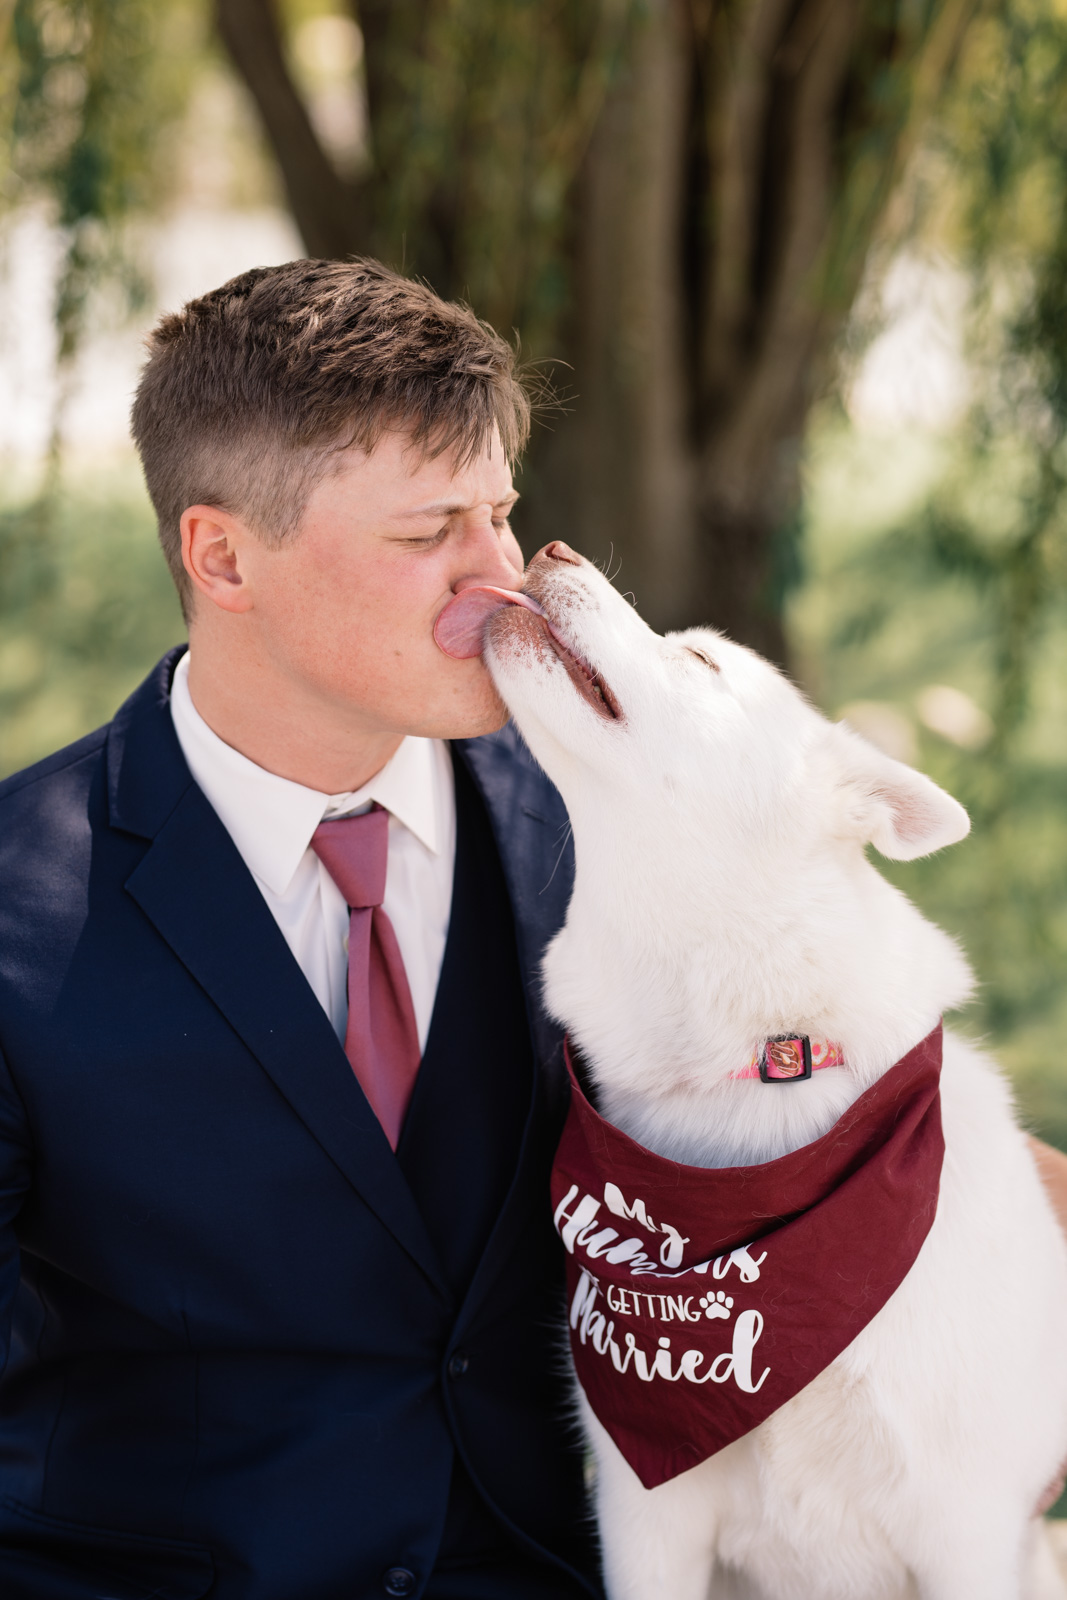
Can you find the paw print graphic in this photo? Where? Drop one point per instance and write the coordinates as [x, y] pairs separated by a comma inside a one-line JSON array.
[[716, 1305]]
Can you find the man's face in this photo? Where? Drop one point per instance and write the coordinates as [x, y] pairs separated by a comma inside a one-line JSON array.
[[347, 606]]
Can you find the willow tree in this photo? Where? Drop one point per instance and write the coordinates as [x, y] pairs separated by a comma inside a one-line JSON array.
[[673, 198], [88, 90]]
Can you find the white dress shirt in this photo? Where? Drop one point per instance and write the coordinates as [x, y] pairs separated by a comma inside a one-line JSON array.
[[271, 821]]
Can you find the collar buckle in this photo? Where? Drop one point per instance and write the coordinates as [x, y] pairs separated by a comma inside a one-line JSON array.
[[785, 1059]]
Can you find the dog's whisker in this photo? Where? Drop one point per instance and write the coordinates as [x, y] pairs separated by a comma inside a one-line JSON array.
[[567, 837]]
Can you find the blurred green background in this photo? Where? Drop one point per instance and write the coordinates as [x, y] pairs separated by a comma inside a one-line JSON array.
[[911, 562]]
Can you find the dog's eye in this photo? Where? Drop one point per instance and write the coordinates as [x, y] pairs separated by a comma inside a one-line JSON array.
[[702, 655]]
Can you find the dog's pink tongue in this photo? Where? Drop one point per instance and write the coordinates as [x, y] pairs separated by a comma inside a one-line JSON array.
[[460, 628]]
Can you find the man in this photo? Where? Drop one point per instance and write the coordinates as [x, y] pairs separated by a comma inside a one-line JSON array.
[[277, 1101], [285, 1324]]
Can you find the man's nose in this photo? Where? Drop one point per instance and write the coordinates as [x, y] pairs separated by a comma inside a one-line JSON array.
[[490, 563], [558, 551]]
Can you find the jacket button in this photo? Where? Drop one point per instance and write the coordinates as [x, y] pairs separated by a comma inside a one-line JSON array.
[[399, 1581], [458, 1365]]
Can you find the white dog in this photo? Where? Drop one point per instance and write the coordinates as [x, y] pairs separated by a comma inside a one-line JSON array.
[[723, 898]]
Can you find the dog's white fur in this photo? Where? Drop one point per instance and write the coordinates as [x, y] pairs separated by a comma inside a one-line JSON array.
[[723, 896]]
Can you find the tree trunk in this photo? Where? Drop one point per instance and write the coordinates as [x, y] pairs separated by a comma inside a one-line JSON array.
[[619, 470], [674, 197], [736, 180], [326, 208], [764, 347]]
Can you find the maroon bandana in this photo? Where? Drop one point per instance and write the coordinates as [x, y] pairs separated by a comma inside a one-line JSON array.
[[701, 1300]]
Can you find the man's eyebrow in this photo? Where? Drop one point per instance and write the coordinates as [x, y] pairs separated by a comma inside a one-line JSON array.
[[443, 508]]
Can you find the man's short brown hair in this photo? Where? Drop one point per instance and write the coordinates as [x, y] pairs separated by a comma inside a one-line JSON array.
[[250, 392]]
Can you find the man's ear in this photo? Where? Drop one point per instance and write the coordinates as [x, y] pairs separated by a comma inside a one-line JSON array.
[[885, 803], [212, 544]]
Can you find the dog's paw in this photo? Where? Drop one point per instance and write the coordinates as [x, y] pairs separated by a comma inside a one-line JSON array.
[[716, 1305]]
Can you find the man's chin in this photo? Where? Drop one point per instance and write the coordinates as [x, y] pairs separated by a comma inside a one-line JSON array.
[[494, 720], [490, 716], [483, 714]]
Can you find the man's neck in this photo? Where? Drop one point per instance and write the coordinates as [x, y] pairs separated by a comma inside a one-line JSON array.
[[283, 727]]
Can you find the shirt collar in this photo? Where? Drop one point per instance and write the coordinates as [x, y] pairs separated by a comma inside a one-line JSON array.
[[271, 819], [406, 787]]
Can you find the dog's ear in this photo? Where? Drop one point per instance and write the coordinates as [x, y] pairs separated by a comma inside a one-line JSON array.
[[900, 811]]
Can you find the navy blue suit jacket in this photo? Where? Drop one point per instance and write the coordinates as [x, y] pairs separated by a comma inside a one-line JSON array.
[[217, 1295]]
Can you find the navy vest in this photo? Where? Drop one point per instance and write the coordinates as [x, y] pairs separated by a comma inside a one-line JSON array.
[[460, 1142]]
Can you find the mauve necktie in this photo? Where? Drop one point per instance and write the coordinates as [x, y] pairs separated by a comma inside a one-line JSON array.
[[381, 1039]]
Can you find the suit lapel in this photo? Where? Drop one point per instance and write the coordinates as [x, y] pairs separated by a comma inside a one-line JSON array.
[[532, 835], [195, 889]]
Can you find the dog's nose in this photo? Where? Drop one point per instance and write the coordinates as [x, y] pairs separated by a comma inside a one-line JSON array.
[[558, 551]]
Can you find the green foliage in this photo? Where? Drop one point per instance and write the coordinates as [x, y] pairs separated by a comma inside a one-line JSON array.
[[946, 561], [904, 56], [82, 616], [98, 84], [921, 559]]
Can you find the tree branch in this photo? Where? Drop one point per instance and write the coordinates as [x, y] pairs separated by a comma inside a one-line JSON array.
[[737, 54], [326, 208], [793, 314], [633, 485], [768, 403]]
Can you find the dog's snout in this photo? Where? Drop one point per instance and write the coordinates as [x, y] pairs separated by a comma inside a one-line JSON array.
[[558, 551]]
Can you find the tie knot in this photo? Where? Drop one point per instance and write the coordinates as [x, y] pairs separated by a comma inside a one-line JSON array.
[[355, 852]]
